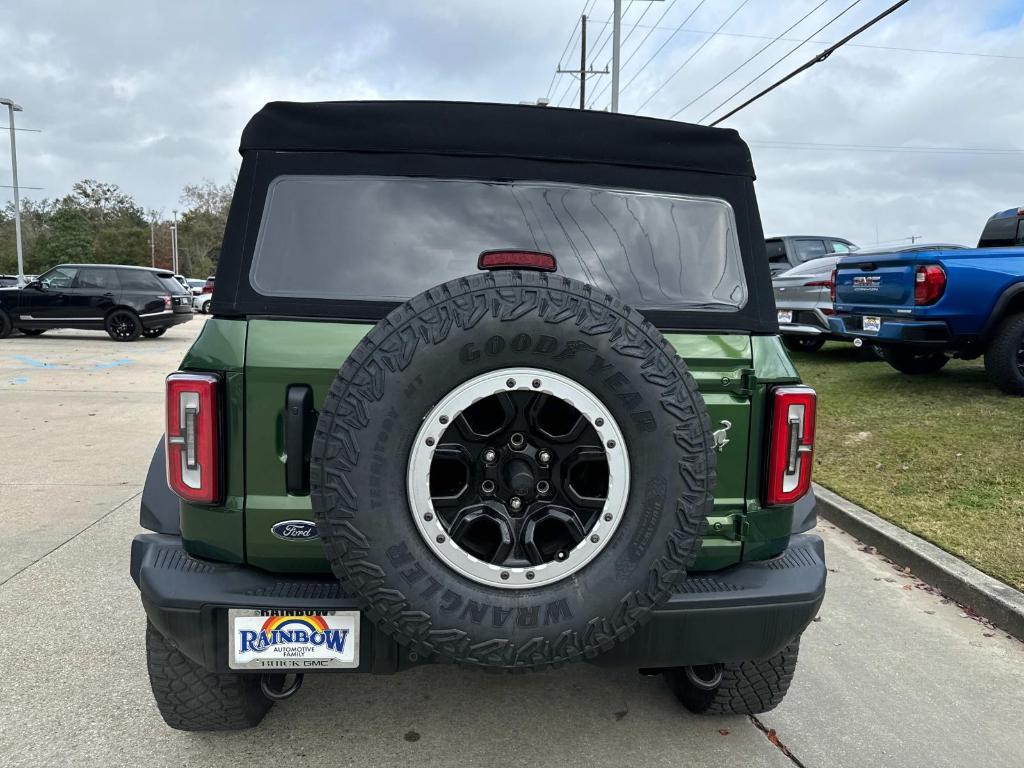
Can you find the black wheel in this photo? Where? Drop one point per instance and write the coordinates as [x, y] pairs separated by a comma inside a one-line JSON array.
[[803, 343], [912, 361], [868, 353], [154, 333], [5, 325], [1004, 358], [191, 699], [748, 688], [123, 325], [32, 331], [512, 471]]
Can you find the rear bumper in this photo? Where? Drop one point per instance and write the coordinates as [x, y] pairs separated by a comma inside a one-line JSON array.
[[748, 611], [806, 321], [894, 330], [165, 319]]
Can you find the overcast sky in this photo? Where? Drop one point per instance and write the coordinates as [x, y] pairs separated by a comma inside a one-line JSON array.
[[154, 95]]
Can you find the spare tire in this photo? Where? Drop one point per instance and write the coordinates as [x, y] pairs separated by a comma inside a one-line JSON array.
[[512, 470]]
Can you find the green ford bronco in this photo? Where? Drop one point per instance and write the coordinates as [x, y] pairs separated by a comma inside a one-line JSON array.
[[484, 384]]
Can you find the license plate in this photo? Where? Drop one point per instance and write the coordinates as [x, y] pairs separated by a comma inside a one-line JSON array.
[[872, 324], [785, 316], [293, 640]]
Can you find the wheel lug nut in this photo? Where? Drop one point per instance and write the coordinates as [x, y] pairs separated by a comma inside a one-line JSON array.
[[517, 440], [594, 539], [543, 487], [515, 502], [598, 422], [490, 455], [487, 486], [560, 555], [543, 457], [510, 383], [504, 575]]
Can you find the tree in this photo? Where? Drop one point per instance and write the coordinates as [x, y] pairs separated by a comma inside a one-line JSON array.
[[201, 227]]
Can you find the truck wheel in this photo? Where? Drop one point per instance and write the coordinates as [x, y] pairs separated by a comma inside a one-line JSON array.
[[123, 325], [154, 333], [803, 343], [747, 688], [1004, 358], [512, 470], [912, 361], [5, 325], [191, 699]]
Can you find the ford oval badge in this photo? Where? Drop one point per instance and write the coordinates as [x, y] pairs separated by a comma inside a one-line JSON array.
[[295, 530]]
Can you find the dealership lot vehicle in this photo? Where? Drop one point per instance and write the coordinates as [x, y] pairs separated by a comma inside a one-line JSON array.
[[804, 301], [785, 253], [921, 307], [126, 302], [513, 468]]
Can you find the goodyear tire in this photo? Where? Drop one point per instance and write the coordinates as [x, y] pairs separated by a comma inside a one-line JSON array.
[[572, 592]]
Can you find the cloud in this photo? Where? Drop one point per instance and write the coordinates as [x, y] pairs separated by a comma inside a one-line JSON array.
[[153, 96]]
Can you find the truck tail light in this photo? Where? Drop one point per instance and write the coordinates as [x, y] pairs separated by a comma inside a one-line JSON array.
[[167, 302], [929, 283], [193, 437], [791, 444], [832, 287]]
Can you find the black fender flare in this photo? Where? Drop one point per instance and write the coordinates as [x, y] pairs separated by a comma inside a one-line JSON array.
[[159, 511], [1009, 294]]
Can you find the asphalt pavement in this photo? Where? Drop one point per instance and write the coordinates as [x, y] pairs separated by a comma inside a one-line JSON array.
[[891, 674]]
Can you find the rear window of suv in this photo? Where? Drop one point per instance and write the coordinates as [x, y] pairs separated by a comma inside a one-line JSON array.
[[389, 238]]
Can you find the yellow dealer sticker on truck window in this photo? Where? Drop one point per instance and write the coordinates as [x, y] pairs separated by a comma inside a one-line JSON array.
[[293, 640]]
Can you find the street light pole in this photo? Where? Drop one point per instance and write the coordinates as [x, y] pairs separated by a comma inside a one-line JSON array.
[[174, 244], [11, 109]]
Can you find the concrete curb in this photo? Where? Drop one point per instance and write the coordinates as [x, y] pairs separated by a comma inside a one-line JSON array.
[[1001, 604]]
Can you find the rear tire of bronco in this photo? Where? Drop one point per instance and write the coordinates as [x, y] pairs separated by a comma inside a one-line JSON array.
[[803, 343], [5, 325], [747, 688], [1004, 358], [191, 699], [578, 471], [913, 362]]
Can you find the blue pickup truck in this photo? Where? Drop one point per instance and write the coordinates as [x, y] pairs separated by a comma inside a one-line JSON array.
[[922, 307]]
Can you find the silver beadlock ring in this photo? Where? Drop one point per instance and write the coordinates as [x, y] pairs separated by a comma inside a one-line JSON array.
[[451, 406]]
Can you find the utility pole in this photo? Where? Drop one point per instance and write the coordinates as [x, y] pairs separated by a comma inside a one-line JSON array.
[[11, 109], [582, 72], [616, 45], [152, 242]]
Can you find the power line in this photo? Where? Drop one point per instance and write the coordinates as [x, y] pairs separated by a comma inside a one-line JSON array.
[[692, 55], [820, 57], [761, 50], [778, 61], [570, 42], [770, 144], [600, 35], [650, 31], [27, 130], [656, 26], [662, 46]]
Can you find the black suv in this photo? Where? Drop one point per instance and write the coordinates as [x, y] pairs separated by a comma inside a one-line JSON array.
[[126, 302]]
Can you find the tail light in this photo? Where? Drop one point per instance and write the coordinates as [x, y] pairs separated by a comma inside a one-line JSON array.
[[208, 288], [167, 302], [193, 437], [832, 287], [791, 444], [929, 284]]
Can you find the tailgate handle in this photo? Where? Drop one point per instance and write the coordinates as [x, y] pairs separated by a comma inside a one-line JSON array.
[[299, 423], [869, 266]]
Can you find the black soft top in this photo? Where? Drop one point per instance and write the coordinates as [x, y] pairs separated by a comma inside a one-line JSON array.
[[496, 130]]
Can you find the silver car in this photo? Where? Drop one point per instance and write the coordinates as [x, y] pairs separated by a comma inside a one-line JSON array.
[[803, 300], [803, 296]]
